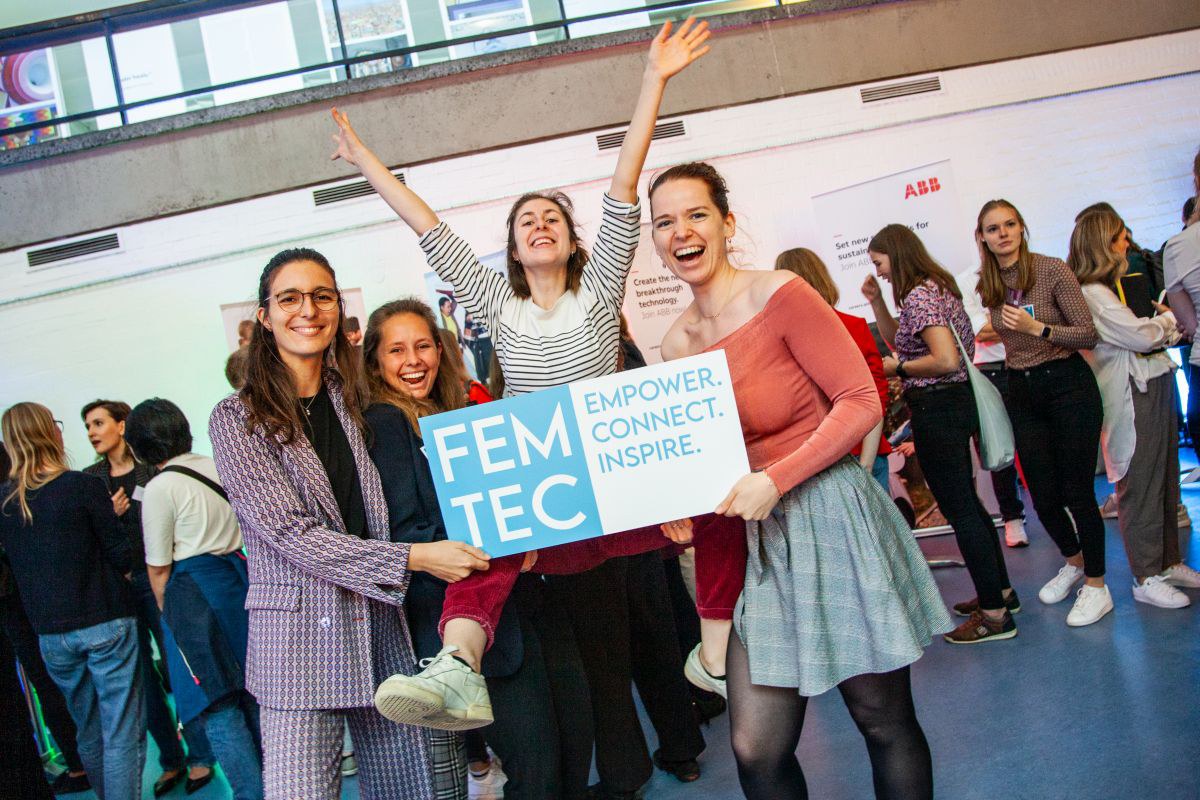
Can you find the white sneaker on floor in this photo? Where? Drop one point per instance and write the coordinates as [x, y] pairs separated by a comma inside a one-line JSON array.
[[1182, 520], [446, 694], [1014, 533], [1108, 509], [490, 785], [694, 671], [1058, 587], [1157, 592], [1182, 575], [1091, 603]]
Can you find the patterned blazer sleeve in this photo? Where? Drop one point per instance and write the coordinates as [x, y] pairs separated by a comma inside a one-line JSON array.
[[270, 509]]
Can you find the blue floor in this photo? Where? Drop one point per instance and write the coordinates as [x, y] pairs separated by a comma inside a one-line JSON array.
[[1103, 712]]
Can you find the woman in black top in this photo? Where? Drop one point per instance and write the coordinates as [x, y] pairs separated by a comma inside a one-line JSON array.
[[70, 559], [124, 477]]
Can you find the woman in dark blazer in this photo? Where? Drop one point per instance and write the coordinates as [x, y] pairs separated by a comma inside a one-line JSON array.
[[326, 585]]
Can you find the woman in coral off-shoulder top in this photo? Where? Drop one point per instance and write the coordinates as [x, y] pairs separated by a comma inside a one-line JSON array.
[[836, 592]]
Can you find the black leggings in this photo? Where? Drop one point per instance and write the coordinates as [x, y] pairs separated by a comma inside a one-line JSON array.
[[766, 721]]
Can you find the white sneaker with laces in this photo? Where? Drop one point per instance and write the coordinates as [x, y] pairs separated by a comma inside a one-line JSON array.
[[1058, 587], [490, 785], [1157, 592], [446, 694], [1014, 533], [694, 671], [1091, 603], [1182, 575]]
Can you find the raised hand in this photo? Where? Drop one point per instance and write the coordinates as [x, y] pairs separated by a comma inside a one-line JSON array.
[[870, 289], [347, 145], [670, 54]]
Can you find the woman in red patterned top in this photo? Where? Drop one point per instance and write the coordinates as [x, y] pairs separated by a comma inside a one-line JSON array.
[[1039, 312]]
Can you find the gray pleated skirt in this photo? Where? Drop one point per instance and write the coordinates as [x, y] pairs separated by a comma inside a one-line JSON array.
[[835, 586]]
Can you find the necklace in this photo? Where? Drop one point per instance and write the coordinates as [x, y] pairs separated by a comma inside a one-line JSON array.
[[308, 406], [725, 305]]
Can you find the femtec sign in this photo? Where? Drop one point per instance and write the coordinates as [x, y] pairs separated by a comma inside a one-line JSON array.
[[591, 458]]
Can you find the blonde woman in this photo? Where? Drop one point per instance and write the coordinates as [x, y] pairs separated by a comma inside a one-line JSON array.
[[71, 558], [1141, 451]]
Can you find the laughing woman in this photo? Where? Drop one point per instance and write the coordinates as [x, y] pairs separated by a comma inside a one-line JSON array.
[[836, 592]]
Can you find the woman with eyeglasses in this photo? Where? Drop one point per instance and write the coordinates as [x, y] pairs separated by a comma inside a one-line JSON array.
[[71, 561], [326, 585]]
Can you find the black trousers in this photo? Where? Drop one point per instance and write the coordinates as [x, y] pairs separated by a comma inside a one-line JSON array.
[[20, 767], [1193, 407], [543, 723], [1056, 412], [24, 642], [1005, 482], [626, 633], [944, 420]]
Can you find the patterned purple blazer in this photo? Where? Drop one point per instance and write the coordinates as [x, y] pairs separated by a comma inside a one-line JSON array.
[[319, 598]]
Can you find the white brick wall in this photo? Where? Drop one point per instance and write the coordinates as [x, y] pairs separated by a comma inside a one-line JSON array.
[[1051, 133]]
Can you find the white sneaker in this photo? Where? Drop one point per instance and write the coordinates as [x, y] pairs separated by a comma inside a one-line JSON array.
[[446, 694], [1108, 509], [1014, 533], [349, 765], [1182, 520], [490, 785], [1157, 592], [1092, 603], [1182, 575], [694, 671], [1058, 587]]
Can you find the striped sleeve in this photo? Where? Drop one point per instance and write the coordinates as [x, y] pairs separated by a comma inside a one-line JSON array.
[[481, 290], [612, 256]]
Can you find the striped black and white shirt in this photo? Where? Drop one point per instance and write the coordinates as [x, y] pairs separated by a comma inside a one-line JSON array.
[[539, 348]]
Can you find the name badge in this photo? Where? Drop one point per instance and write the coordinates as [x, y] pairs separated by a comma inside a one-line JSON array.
[[139, 492]]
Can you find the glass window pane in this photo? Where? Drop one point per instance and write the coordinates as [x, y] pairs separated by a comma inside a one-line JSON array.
[[370, 26], [474, 17], [584, 8], [42, 85]]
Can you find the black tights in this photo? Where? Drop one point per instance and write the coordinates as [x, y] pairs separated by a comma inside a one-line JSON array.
[[766, 722]]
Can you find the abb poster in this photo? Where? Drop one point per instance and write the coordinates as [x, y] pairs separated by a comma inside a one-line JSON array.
[[923, 198]]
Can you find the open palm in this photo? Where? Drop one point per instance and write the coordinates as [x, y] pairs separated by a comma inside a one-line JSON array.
[[670, 54], [348, 145]]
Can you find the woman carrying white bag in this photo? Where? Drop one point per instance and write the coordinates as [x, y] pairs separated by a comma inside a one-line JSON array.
[[1135, 375], [945, 416]]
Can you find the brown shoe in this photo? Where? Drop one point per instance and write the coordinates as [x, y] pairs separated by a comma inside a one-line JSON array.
[[968, 607], [978, 628]]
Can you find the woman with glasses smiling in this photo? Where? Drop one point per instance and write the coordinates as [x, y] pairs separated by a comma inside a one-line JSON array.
[[326, 585]]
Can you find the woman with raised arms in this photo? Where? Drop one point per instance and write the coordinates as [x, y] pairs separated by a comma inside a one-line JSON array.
[[837, 593]]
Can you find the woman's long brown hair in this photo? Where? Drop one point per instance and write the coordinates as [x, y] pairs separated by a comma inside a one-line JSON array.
[[448, 392], [991, 288], [268, 392], [808, 265], [911, 263], [1092, 257], [33, 446]]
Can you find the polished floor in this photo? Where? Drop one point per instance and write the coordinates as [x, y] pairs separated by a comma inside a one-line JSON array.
[[1107, 712]]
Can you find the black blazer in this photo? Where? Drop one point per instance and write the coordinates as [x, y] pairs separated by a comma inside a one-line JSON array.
[[414, 516]]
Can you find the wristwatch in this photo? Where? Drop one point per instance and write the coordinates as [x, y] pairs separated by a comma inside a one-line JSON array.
[[1045, 331], [900, 369]]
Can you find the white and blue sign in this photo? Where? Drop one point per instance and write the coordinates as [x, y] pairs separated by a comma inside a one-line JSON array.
[[592, 458]]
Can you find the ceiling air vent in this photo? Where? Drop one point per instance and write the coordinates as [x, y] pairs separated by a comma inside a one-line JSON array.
[[890, 91], [65, 252], [663, 130], [347, 191]]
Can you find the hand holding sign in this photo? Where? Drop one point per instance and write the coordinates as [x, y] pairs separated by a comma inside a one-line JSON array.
[[449, 560]]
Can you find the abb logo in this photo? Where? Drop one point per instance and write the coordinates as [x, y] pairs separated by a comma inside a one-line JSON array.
[[922, 187]]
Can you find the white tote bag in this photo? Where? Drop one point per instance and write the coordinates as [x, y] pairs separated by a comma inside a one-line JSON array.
[[997, 449]]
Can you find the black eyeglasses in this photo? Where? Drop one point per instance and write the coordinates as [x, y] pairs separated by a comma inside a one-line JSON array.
[[290, 300]]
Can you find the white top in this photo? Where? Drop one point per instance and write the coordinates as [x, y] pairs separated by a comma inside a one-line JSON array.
[[985, 352], [540, 348], [181, 517], [1120, 365], [1181, 268]]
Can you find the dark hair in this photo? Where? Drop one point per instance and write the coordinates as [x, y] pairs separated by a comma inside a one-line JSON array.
[[5, 463], [158, 431], [575, 264], [115, 408], [448, 392], [700, 171], [1189, 206], [442, 302], [235, 368], [910, 261], [991, 286], [269, 394], [351, 325]]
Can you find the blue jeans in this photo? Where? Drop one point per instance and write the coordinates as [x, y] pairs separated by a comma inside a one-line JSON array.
[[879, 471], [98, 672], [232, 724]]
